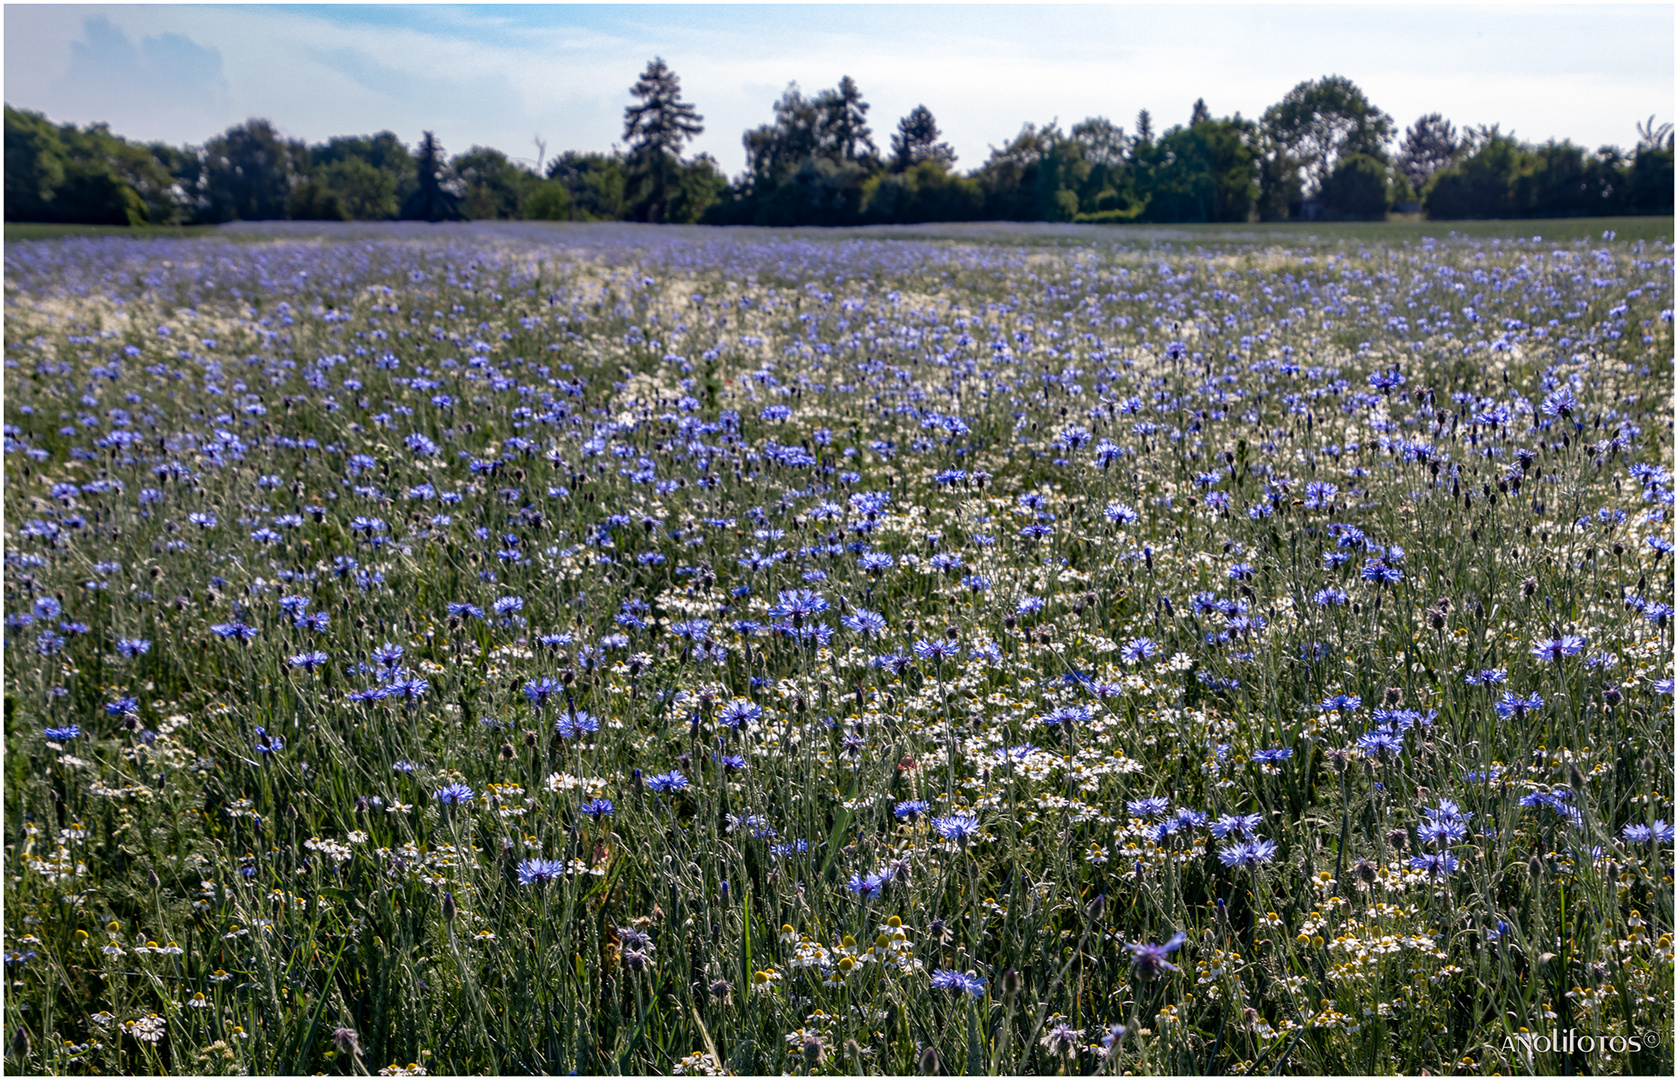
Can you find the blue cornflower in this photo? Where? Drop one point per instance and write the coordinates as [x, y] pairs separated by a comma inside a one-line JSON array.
[[1512, 706], [1138, 649], [1250, 853], [63, 734], [740, 711], [1441, 832], [977, 582], [1380, 572], [1065, 714], [911, 808], [1148, 808], [1149, 961], [1659, 832], [936, 649], [453, 794], [956, 980], [797, 604], [309, 661], [540, 871], [1329, 597], [466, 611], [570, 725], [1381, 743], [869, 887], [1436, 864], [1236, 825], [234, 629], [508, 605], [1341, 703], [268, 744], [957, 827], [667, 782], [538, 691], [731, 762], [1029, 605], [1556, 648], [1272, 757], [866, 623], [1486, 677], [1120, 514], [874, 562], [133, 647]]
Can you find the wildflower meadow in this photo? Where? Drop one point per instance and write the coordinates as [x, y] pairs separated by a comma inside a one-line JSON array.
[[619, 649]]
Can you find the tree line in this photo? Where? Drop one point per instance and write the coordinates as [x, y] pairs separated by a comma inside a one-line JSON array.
[[1324, 152]]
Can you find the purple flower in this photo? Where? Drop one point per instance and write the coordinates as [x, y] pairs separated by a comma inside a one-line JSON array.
[[957, 826], [1556, 648], [967, 983], [667, 782], [1250, 854], [1435, 865], [1138, 649], [453, 794], [936, 650], [598, 808], [1148, 808], [866, 623], [1149, 961], [869, 887], [540, 871]]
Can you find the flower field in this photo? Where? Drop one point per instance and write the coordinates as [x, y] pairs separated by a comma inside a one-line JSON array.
[[636, 650]]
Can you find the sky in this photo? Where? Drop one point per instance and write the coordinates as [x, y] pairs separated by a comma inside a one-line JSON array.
[[508, 75]]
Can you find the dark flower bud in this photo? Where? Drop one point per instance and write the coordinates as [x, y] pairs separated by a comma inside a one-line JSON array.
[[1394, 695], [1365, 871], [1535, 867], [506, 751], [929, 1064], [1011, 983], [1398, 838], [448, 907], [1612, 696]]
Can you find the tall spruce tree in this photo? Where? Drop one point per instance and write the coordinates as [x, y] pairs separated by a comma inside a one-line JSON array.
[[436, 198], [656, 128]]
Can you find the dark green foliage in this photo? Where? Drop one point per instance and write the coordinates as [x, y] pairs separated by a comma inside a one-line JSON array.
[[314, 201], [927, 191], [1502, 178], [86, 176], [495, 187], [1318, 122], [249, 173], [370, 174], [1359, 189], [1203, 172], [594, 183]]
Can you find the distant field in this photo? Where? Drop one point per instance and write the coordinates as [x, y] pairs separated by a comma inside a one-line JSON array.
[[985, 649], [1394, 230]]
